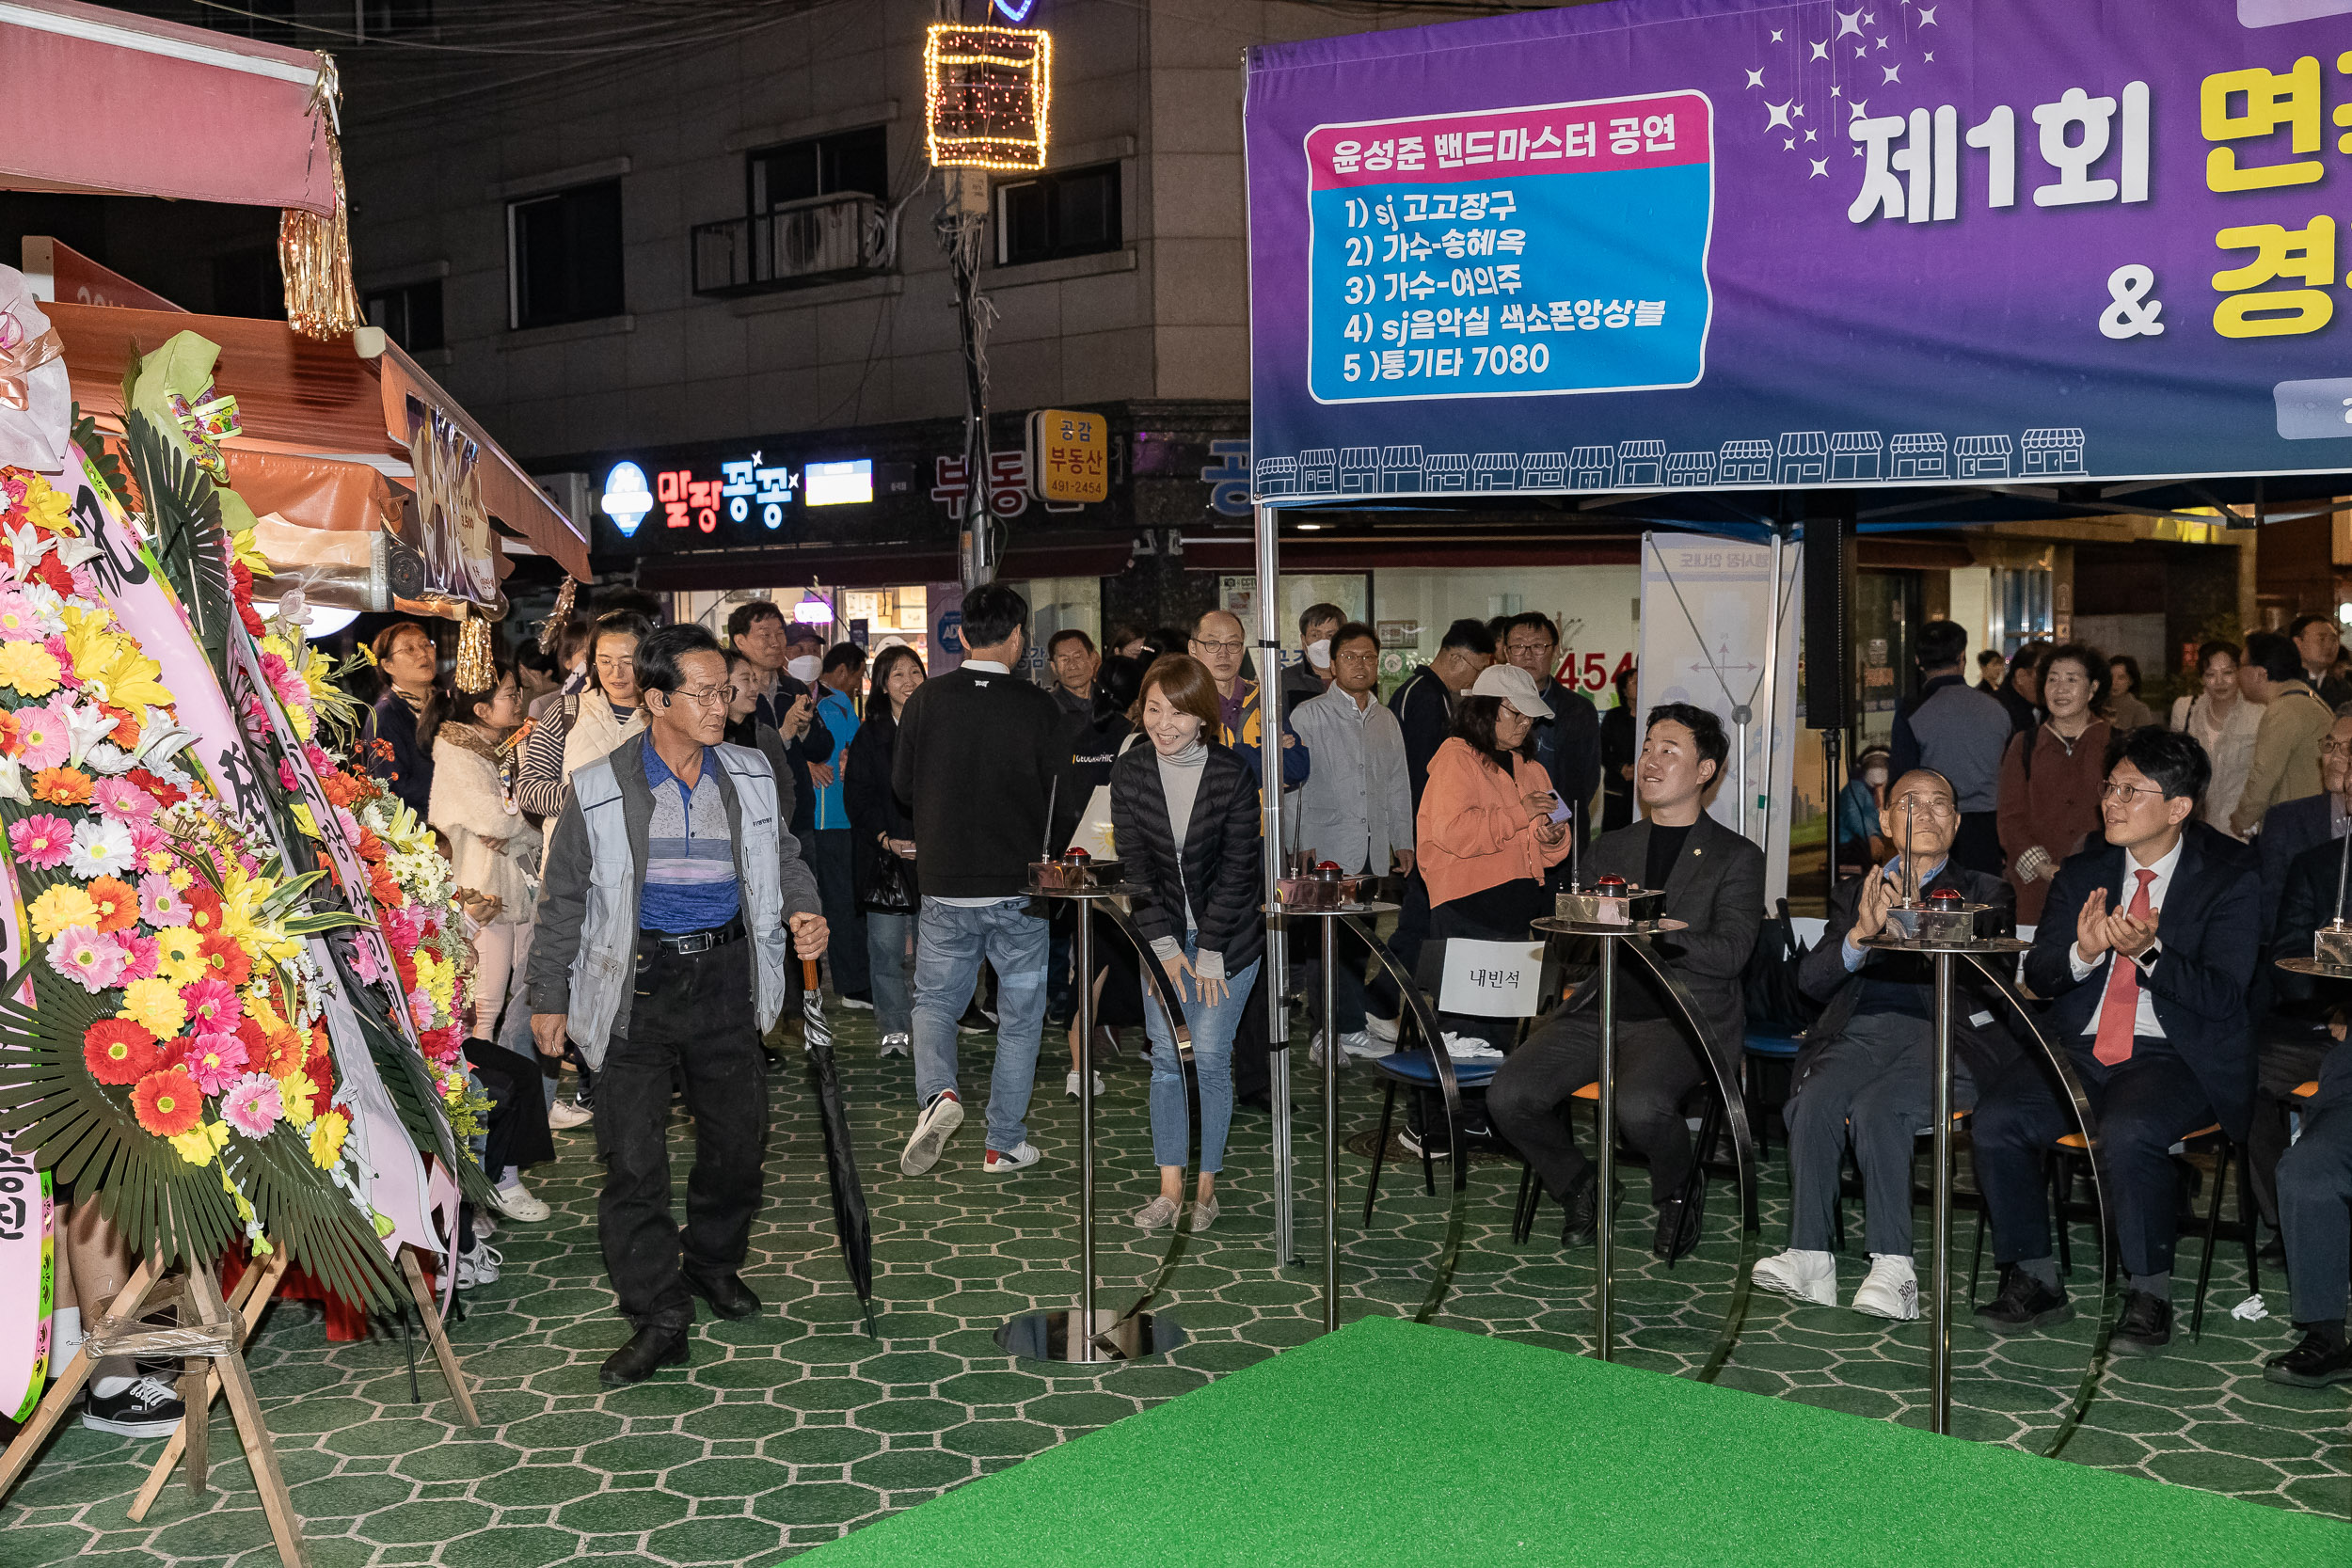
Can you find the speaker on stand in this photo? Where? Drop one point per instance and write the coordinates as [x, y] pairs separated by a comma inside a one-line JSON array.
[[1827, 525]]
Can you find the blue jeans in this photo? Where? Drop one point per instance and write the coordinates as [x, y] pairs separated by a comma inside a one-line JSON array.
[[893, 974], [950, 943], [1213, 1029]]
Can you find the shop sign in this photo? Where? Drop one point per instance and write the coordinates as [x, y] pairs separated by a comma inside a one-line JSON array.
[[1068, 456]]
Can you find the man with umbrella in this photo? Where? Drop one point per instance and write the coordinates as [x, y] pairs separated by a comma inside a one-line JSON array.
[[669, 887]]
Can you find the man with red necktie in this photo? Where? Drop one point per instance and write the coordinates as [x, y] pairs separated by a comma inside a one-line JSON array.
[[2145, 949]]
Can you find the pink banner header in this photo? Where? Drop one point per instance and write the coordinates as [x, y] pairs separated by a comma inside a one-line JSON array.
[[1654, 131]]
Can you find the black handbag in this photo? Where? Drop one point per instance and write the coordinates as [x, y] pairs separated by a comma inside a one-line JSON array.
[[889, 887]]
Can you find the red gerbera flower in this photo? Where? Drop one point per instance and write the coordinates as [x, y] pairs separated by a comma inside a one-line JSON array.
[[118, 1051], [204, 909], [167, 793], [118, 904], [167, 1103], [225, 958], [52, 572]]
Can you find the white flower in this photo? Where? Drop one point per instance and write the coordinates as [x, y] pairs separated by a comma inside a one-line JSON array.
[[108, 759], [102, 847], [85, 728], [12, 781], [48, 608], [160, 739], [75, 548]]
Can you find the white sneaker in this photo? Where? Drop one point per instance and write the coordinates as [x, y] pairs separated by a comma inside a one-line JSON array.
[[1314, 1052], [568, 1113], [1002, 1161], [1891, 1291], [1806, 1276], [859, 1003], [943, 1115], [1072, 1084], [478, 1267], [1158, 1214], [516, 1203], [1382, 1029], [895, 1045], [1360, 1042], [1411, 1141]]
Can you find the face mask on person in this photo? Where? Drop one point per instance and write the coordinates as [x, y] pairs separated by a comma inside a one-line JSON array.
[[1875, 778], [1319, 653], [805, 669]]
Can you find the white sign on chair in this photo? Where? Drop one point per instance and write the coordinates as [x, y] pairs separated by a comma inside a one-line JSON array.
[[1492, 979]]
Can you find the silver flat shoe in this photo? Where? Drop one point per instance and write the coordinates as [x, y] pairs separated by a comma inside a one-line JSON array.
[[1157, 1214]]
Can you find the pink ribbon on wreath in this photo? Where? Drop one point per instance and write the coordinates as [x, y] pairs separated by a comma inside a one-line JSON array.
[[21, 355]]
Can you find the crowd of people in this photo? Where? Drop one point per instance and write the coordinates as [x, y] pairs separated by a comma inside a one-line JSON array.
[[650, 825]]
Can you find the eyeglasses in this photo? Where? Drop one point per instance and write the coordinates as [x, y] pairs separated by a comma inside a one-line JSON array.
[[2335, 748], [2124, 792], [1935, 808], [1233, 647], [718, 696], [1370, 656], [1529, 646]]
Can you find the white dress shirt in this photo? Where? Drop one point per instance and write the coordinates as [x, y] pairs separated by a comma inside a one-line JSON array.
[[2145, 1024]]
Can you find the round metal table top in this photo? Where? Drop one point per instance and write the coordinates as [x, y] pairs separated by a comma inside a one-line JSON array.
[[1337, 908], [1597, 928], [2313, 968], [1107, 890], [1981, 946]]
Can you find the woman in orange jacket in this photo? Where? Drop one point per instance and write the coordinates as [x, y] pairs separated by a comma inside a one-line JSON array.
[[1484, 834]]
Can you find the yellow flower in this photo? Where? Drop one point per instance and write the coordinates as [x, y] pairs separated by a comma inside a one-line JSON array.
[[295, 1093], [179, 876], [48, 508], [199, 1144], [156, 1004], [180, 955], [247, 549], [327, 1139], [112, 663], [61, 905], [28, 667]]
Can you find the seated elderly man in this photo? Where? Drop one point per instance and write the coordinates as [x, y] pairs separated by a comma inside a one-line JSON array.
[[1713, 881], [1866, 1074]]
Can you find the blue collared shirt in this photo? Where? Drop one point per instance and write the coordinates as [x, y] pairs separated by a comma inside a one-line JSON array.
[[689, 858]]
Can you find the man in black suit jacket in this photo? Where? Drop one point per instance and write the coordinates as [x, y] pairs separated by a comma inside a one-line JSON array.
[[2145, 949], [1713, 881], [1866, 1074], [2314, 1187], [2293, 826], [2297, 1011]]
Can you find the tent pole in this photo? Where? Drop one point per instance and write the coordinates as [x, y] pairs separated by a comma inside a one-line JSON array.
[[1275, 975], [1772, 709]]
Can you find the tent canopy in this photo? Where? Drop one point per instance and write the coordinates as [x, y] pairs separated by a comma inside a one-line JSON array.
[[106, 102]]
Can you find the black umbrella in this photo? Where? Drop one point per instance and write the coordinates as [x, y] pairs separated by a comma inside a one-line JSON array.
[[849, 1217]]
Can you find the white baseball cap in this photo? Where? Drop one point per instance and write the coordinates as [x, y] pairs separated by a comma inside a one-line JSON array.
[[1515, 686]]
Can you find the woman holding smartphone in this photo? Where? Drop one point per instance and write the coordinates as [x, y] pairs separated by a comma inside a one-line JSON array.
[[1185, 815]]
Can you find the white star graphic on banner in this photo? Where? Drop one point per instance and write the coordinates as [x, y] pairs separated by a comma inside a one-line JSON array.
[[1926, 16], [1820, 168], [1894, 73], [1881, 43], [1756, 78], [1859, 52], [1834, 91], [1813, 136], [1820, 50], [1849, 21], [1790, 143], [1780, 115], [1856, 110], [1931, 56], [1776, 35]]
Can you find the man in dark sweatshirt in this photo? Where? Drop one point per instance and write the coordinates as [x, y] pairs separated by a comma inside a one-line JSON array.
[[974, 765]]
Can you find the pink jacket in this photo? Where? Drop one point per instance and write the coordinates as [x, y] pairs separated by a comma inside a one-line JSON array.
[[1472, 831]]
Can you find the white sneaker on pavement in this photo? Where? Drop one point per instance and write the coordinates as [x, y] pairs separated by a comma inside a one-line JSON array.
[[943, 1115], [860, 1003], [1360, 1042], [1382, 1029], [1806, 1276], [515, 1202], [568, 1113], [1314, 1052], [1072, 1084], [894, 1045], [1003, 1161], [1892, 1291], [478, 1267]]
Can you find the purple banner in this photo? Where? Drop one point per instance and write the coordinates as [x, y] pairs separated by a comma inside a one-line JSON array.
[[1662, 244]]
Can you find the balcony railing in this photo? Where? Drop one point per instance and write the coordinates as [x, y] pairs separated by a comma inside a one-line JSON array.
[[821, 240]]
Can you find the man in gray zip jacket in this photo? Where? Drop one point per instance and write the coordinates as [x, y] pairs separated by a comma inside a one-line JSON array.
[[662, 947]]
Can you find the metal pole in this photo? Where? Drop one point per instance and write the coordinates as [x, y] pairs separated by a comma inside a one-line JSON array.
[[1277, 969], [1330, 924], [1939, 1271], [1608, 1139], [1770, 694], [1082, 1332]]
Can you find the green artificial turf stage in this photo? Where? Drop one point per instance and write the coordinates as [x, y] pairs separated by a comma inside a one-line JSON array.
[[1389, 1443]]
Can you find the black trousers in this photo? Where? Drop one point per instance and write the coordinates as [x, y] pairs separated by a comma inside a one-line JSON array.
[[2284, 1065], [2142, 1105], [2314, 1186], [831, 857], [1412, 929], [517, 1133], [694, 1016], [1978, 844], [1528, 1102]]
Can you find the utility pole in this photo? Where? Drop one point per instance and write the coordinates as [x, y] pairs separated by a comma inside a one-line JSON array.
[[963, 229]]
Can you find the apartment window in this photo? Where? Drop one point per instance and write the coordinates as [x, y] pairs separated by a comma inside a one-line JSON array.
[[410, 316], [563, 256], [839, 165], [1071, 213]]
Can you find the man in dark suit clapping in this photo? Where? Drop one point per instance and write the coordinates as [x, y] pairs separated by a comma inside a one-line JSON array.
[[2147, 947]]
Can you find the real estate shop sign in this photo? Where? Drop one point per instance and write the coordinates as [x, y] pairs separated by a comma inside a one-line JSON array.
[[1666, 242]]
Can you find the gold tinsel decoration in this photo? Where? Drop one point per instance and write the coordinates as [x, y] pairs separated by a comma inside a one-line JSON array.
[[552, 629], [476, 670], [314, 252]]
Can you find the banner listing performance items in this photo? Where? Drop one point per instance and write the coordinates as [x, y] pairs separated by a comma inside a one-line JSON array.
[[1973, 241]]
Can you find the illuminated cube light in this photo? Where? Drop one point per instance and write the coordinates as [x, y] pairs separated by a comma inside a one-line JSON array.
[[985, 93], [850, 483]]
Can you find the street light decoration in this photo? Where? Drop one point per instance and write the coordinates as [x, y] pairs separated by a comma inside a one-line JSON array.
[[985, 95]]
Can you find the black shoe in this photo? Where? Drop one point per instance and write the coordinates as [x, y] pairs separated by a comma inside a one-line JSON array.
[[2023, 1303], [2318, 1361], [2273, 1253], [651, 1349], [1678, 1231], [1580, 1221], [150, 1407], [975, 1022], [2145, 1327], [727, 1294]]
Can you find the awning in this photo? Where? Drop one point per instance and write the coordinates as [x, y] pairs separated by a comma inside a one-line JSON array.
[[881, 565], [300, 397], [106, 102]]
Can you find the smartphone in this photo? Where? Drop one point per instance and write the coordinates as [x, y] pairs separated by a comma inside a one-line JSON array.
[[1562, 809]]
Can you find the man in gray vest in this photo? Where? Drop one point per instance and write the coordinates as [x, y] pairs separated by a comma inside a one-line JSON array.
[[1953, 729], [662, 947]]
